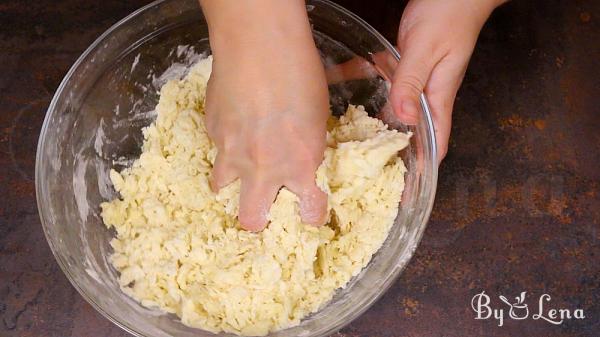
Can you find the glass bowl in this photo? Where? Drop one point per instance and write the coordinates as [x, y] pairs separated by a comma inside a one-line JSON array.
[[94, 123]]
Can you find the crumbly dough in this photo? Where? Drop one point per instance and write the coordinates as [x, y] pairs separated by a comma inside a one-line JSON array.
[[179, 247]]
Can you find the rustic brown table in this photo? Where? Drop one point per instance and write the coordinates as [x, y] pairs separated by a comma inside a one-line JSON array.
[[518, 206]]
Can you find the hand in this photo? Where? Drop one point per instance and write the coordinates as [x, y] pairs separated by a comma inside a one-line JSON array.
[[267, 106], [436, 39]]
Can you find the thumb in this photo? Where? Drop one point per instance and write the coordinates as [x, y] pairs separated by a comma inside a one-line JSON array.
[[410, 78]]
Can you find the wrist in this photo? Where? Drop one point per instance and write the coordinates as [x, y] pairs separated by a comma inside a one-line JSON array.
[[238, 25], [488, 6], [479, 11], [497, 3]]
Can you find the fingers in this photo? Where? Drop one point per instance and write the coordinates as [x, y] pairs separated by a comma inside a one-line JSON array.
[[258, 194], [410, 78], [313, 201], [441, 91], [222, 174], [256, 197], [354, 69]]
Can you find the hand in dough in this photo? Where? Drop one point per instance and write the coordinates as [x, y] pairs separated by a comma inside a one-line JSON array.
[[267, 106]]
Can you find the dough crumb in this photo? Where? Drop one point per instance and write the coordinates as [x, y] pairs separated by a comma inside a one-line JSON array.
[[179, 247]]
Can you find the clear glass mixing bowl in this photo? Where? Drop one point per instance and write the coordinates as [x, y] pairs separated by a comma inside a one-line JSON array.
[[94, 123]]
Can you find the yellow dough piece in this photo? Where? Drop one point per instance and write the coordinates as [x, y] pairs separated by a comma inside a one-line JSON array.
[[179, 247]]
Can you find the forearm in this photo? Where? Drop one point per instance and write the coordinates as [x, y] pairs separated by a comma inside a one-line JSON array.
[[252, 23]]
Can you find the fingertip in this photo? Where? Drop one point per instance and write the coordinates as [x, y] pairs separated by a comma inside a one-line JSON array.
[[313, 207], [405, 104], [407, 110], [255, 202], [252, 221], [442, 152]]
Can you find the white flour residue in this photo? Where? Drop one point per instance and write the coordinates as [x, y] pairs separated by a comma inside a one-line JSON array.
[[178, 70], [99, 138], [104, 184], [123, 161], [135, 63], [80, 187], [93, 274], [184, 50], [54, 155]]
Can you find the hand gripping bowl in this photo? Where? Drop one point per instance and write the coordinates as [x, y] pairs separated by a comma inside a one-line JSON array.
[[94, 123]]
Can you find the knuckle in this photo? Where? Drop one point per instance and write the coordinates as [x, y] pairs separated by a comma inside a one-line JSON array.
[[261, 157], [265, 153], [411, 83]]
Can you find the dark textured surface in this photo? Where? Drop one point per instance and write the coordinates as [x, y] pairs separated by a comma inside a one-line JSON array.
[[517, 207]]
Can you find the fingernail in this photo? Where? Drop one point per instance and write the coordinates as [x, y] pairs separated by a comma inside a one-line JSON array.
[[409, 113]]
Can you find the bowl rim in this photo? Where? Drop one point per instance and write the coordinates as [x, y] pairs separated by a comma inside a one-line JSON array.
[[389, 279]]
